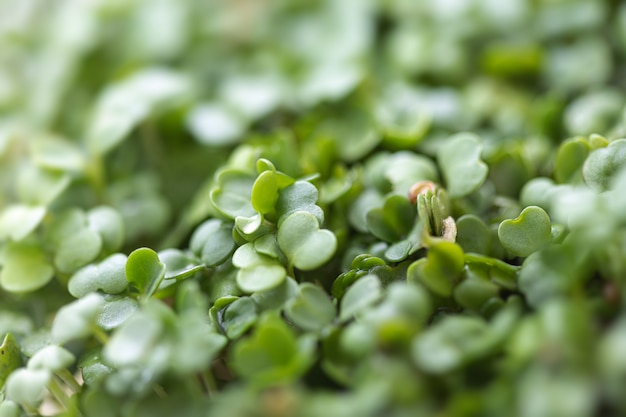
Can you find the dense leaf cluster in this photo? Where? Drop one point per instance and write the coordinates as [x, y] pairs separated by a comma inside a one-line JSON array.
[[312, 208]]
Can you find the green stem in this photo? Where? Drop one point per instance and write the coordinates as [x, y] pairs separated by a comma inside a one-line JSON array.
[[100, 335], [67, 378], [209, 382], [57, 391]]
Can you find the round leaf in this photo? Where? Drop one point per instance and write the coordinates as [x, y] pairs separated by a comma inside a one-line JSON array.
[[77, 250], [265, 192], [144, 270]]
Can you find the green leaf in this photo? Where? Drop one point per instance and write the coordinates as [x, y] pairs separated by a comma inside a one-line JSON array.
[[305, 245], [51, 358], [361, 295], [58, 154], [265, 192], [393, 221], [18, 221], [134, 341], [9, 408], [178, 264], [602, 164], [25, 267], [529, 232], [473, 235], [233, 194], [407, 168], [77, 320], [213, 242], [108, 223], [108, 276], [214, 124], [116, 311], [299, 196], [459, 159], [27, 386], [197, 345], [145, 271], [440, 270], [77, 250], [40, 186], [121, 106], [312, 309], [10, 358], [452, 343], [238, 317], [569, 160], [257, 272], [272, 355]]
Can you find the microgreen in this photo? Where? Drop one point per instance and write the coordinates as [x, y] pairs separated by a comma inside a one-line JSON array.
[[313, 208]]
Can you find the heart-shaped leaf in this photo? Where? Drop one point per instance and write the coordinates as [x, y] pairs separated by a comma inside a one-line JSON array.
[[108, 276], [529, 232], [459, 159], [257, 272], [304, 243], [440, 269], [312, 309], [393, 221], [213, 242], [299, 196], [18, 221], [25, 267], [232, 197], [145, 271], [10, 358]]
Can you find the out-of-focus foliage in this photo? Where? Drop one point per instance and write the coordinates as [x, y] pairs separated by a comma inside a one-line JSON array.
[[312, 208]]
